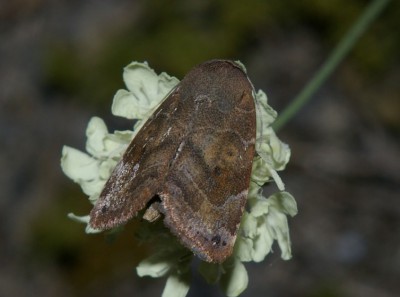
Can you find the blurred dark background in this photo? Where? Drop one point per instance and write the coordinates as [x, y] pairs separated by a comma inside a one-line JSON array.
[[60, 64]]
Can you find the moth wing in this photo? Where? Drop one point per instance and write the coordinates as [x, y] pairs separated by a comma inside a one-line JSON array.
[[138, 176], [206, 189]]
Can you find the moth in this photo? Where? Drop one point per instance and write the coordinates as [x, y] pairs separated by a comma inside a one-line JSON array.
[[190, 163]]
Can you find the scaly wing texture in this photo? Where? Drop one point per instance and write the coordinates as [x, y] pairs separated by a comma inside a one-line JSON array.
[[142, 170], [206, 188]]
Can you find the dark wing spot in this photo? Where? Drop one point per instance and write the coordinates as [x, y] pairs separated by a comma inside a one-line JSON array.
[[216, 239], [217, 170], [104, 209]]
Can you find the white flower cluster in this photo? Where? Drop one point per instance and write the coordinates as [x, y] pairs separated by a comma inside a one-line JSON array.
[[264, 221]]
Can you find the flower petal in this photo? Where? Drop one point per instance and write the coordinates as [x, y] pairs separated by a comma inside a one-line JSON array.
[[235, 280], [260, 173], [280, 152], [139, 76], [278, 226], [106, 167], [92, 187], [146, 90], [259, 206], [286, 203], [244, 249], [78, 166], [263, 242], [153, 266], [278, 223], [177, 285], [248, 225], [85, 220], [95, 133], [128, 105]]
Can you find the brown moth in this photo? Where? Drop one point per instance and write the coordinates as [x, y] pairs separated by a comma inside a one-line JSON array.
[[190, 163]]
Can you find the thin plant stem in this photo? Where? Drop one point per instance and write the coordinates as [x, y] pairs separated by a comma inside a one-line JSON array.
[[370, 13]]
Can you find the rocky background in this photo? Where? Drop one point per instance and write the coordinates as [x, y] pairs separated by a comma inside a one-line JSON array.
[[60, 64]]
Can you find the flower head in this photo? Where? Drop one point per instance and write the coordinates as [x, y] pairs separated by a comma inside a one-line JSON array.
[[264, 220]]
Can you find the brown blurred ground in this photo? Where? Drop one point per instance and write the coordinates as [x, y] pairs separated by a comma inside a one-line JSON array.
[[61, 62]]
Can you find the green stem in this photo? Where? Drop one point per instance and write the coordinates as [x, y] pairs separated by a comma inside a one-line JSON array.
[[370, 13]]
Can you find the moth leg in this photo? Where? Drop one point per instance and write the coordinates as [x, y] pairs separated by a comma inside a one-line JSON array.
[[153, 213]]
